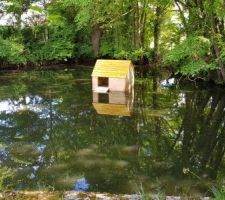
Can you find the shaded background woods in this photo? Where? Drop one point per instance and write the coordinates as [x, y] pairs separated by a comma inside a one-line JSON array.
[[186, 36]]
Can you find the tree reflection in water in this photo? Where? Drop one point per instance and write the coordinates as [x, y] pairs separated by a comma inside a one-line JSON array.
[[53, 138]]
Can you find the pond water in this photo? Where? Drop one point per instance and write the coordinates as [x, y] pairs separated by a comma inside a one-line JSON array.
[[56, 135]]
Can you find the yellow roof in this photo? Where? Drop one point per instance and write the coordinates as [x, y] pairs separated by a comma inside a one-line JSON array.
[[112, 68], [112, 109]]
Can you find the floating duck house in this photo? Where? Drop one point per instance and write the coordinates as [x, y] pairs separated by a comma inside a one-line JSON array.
[[113, 75]]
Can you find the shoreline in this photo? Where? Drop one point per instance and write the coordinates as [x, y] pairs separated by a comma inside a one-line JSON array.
[[72, 195], [90, 65], [45, 67]]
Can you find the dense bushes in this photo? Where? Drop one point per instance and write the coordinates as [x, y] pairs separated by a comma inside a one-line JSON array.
[[58, 47], [12, 51], [29, 46], [22, 48], [51, 50]]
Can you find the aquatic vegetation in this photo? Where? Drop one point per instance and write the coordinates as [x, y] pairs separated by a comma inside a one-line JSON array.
[[219, 194]]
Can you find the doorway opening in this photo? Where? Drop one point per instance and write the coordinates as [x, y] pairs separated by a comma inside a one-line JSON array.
[[103, 98]]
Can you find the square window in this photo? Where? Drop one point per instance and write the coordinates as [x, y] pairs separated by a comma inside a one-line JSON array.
[[103, 82]]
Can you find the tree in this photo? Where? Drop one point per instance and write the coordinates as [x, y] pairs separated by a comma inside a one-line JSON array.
[[205, 18], [17, 9]]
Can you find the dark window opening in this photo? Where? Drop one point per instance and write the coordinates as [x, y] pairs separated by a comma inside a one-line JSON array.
[[103, 98], [103, 82]]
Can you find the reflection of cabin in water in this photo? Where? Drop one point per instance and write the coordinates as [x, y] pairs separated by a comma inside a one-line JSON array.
[[113, 103], [113, 75]]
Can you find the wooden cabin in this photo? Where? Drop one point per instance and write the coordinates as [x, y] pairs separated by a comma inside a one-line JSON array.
[[114, 103], [113, 75]]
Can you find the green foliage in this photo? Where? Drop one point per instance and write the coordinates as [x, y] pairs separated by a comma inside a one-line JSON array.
[[193, 47], [106, 49], [53, 50], [221, 45], [194, 68], [6, 174], [58, 47], [140, 53], [188, 58], [122, 54], [134, 55], [219, 194], [83, 50], [36, 8], [11, 51]]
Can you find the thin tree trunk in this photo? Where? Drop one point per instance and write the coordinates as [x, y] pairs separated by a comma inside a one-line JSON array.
[[157, 34], [143, 24], [96, 37], [137, 26], [46, 36], [134, 32], [46, 32], [216, 47], [183, 19], [18, 21]]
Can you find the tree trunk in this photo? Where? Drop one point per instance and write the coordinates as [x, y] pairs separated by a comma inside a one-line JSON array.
[[46, 21], [96, 36], [18, 21], [135, 31], [157, 34], [182, 16], [46, 32], [143, 31], [137, 26], [143, 24], [215, 46]]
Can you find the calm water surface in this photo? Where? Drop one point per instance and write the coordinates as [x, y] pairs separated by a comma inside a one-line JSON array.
[[56, 135]]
